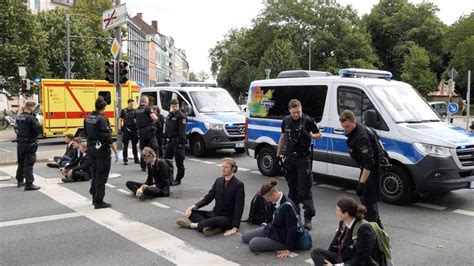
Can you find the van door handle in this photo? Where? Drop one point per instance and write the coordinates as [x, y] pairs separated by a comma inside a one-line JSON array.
[[339, 131]]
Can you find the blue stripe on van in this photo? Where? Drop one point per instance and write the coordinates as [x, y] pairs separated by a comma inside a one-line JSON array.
[[195, 124], [270, 123]]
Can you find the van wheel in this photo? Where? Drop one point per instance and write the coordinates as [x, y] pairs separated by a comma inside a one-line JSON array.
[[396, 186], [267, 162], [80, 133], [239, 150], [198, 146]]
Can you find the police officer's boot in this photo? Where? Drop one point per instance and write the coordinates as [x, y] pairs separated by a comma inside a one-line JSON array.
[[31, 187], [175, 182], [102, 205], [20, 184], [307, 223]]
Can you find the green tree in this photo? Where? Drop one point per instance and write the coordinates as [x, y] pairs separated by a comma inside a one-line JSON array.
[[415, 70], [279, 57], [193, 76], [21, 44], [202, 76]]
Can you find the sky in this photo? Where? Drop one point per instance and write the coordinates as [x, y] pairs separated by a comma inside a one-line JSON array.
[[197, 25]]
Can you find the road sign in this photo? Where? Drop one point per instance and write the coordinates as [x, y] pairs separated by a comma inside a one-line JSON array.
[[453, 108], [115, 48], [452, 73], [72, 63], [22, 72], [114, 17]]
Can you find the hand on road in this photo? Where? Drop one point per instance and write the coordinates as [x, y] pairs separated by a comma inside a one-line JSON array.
[[282, 254]]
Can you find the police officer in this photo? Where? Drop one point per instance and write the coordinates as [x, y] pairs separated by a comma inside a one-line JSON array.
[[298, 131], [146, 131], [362, 150], [175, 132], [99, 141], [129, 131], [159, 124], [28, 130]]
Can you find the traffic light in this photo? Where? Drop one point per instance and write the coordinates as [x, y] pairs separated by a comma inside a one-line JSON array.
[[25, 84], [123, 72], [109, 71]]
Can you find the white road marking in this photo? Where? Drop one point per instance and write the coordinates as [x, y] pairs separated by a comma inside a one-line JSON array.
[[430, 206], [110, 185], [208, 162], [330, 186], [40, 219], [292, 254], [194, 159], [161, 205], [256, 172], [6, 150], [464, 212], [243, 169], [124, 191], [351, 191], [309, 261], [7, 185], [114, 175], [159, 242]]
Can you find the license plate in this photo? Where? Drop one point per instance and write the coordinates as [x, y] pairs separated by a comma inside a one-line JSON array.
[[471, 185], [241, 145]]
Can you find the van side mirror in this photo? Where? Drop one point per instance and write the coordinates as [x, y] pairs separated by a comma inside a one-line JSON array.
[[371, 119]]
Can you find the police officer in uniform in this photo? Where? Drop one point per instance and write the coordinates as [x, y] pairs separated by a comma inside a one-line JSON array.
[[362, 150], [28, 130], [99, 142], [175, 132], [129, 131], [298, 131], [146, 131]]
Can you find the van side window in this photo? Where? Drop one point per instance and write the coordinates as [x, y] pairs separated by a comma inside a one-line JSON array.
[[165, 98], [106, 95], [272, 102], [353, 99], [151, 97]]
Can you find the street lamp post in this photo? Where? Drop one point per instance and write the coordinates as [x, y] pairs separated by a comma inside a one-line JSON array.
[[309, 40]]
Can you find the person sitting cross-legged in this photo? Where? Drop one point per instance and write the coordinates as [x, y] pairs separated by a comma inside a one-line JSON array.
[[82, 170], [158, 181], [229, 194]]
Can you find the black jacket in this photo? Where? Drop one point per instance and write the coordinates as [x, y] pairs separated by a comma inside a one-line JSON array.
[[284, 225], [360, 252], [70, 151], [229, 201], [84, 164], [361, 148], [159, 175], [76, 157]]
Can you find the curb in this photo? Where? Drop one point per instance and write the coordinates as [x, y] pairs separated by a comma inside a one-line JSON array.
[[15, 162]]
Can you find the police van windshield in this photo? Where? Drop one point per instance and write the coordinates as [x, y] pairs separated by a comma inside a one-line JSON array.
[[404, 104], [214, 101]]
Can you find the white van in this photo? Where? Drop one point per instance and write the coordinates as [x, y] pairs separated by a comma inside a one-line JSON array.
[[427, 154], [214, 119]]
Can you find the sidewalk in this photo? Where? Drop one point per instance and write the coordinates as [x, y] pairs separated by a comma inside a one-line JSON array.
[[7, 134]]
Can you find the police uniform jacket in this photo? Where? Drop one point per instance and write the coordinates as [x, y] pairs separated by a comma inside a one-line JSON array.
[[142, 116], [159, 175], [297, 137], [28, 127], [356, 252], [128, 116], [176, 126], [284, 225], [97, 129], [230, 200]]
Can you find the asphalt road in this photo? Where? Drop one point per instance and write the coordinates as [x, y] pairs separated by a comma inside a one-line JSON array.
[[57, 225]]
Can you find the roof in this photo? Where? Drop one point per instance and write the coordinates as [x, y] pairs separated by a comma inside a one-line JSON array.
[[147, 29], [442, 91]]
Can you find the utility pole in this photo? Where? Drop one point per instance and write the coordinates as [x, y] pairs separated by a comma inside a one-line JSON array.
[[68, 46], [309, 54], [118, 36], [468, 98]]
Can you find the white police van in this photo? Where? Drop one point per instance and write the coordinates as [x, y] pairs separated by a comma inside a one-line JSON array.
[[427, 154], [214, 119]]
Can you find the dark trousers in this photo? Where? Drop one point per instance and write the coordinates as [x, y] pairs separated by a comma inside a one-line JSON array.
[[319, 255], [370, 197], [101, 163], [151, 192], [160, 140], [173, 149], [372, 214], [147, 139], [80, 175], [299, 176], [26, 156], [209, 219], [128, 136]]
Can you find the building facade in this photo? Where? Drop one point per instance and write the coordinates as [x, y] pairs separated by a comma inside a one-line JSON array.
[[45, 5], [136, 47]]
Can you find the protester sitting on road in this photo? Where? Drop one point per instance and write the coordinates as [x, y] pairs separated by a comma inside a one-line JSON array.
[[342, 248], [61, 161], [158, 182], [76, 156], [229, 194], [280, 234], [82, 171]]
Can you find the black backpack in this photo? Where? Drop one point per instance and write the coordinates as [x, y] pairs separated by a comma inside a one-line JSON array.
[[261, 211], [383, 157]]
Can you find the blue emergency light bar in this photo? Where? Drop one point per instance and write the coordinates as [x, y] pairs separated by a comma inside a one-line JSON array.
[[364, 73]]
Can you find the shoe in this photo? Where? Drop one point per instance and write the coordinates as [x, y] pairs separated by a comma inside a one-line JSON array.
[[139, 193], [137, 161], [307, 223], [208, 231], [143, 169], [20, 184], [142, 197], [52, 165], [125, 163], [175, 183], [29, 187], [102, 205], [66, 180], [184, 223]]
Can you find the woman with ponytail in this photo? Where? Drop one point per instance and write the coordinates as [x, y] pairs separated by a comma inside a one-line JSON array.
[[280, 234], [346, 248]]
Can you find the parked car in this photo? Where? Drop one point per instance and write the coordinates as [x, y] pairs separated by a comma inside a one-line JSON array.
[[440, 107]]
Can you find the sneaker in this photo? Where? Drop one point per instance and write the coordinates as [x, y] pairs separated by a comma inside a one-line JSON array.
[[208, 231], [184, 223], [102, 205]]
